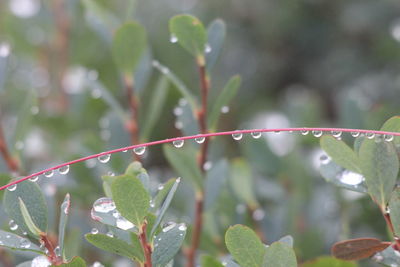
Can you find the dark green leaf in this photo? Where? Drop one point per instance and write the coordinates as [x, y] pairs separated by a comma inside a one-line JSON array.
[[75, 262], [279, 255], [394, 206], [184, 161], [245, 246], [128, 45], [190, 33], [28, 220], [131, 198], [16, 242], [224, 98], [216, 32], [340, 153], [208, 261], [380, 166], [65, 207], [165, 206], [167, 243], [115, 246], [328, 261], [33, 198]]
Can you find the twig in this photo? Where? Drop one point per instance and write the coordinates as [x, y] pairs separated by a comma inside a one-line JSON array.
[[12, 163], [190, 137], [389, 223], [51, 255], [146, 247]]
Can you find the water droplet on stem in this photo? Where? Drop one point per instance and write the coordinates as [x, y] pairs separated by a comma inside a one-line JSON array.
[[178, 143]]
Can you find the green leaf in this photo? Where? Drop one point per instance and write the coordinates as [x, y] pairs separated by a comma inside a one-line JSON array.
[[154, 109], [394, 205], [28, 219], [15, 242], [208, 261], [279, 255], [72, 244], [216, 32], [228, 93], [35, 203], [162, 194], [215, 182], [340, 153], [245, 246], [380, 166], [167, 243], [65, 207], [328, 261], [183, 160], [287, 240], [131, 198], [4, 179], [75, 262], [242, 182], [128, 45], [165, 206], [190, 33], [116, 246], [392, 125]]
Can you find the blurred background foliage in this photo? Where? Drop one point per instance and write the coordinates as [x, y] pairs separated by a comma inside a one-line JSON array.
[[303, 63]]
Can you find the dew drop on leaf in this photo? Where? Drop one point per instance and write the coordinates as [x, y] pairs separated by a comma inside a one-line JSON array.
[[200, 140], [12, 187], [178, 143], [94, 231], [97, 264], [110, 234], [237, 136], [169, 227], [160, 187], [104, 158], [182, 227], [317, 133], [49, 174], [225, 109], [64, 169], [139, 150], [13, 225], [256, 135], [57, 251], [173, 39], [324, 159], [24, 243], [124, 224], [350, 178], [207, 48], [104, 205]]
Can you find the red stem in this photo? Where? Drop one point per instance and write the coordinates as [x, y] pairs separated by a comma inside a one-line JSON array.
[[53, 258], [170, 140], [390, 225], [146, 247]]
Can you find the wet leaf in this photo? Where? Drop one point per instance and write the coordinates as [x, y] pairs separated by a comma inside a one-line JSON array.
[[216, 32], [16, 242], [357, 249], [279, 255], [28, 220], [245, 246]]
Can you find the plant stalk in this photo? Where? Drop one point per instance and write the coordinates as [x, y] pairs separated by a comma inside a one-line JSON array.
[[146, 246], [389, 223], [11, 162], [51, 255]]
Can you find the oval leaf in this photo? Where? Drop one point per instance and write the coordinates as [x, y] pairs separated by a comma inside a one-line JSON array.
[[131, 198], [340, 153], [75, 262], [279, 255], [216, 32], [357, 249], [394, 205], [116, 246], [28, 219], [190, 33], [380, 166], [128, 45], [167, 244], [245, 246], [16, 242]]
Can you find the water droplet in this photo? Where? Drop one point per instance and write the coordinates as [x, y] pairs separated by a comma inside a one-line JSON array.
[[13, 225], [24, 243], [182, 227], [256, 135], [4, 49], [152, 204], [40, 261], [124, 151], [64, 169], [178, 125], [388, 137], [110, 234], [200, 140], [173, 39], [12, 187], [57, 251], [49, 174], [225, 109], [178, 143], [97, 264], [336, 133], [178, 180], [139, 150], [94, 231], [387, 210], [24, 233], [207, 48], [178, 111], [370, 135], [96, 93], [164, 70], [304, 132], [317, 133], [160, 187], [355, 134], [34, 178], [258, 215], [207, 165], [104, 205], [8, 236], [324, 159], [124, 224], [110, 173], [169, 227], [237, 136], [350, 178], [104, 158]]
